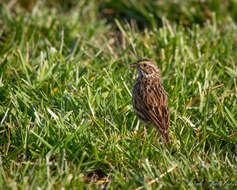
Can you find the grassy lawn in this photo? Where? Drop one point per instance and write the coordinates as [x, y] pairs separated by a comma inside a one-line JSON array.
[[66, 116]]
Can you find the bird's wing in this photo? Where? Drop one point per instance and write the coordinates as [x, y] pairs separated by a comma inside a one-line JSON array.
[[155, 99]]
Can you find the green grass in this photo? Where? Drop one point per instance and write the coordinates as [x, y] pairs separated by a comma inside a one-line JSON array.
[[66, 119]]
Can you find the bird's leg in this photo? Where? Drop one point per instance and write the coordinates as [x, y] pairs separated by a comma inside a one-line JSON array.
[[156, 134], [144, 131], [155, 137]]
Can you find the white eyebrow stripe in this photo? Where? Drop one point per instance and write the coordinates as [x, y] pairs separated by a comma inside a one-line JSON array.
[[148, 63]]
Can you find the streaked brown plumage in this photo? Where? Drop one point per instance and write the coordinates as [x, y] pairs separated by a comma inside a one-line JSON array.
[[149, 98]]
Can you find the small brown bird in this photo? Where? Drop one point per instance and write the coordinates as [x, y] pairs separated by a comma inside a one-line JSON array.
[[149, 98]]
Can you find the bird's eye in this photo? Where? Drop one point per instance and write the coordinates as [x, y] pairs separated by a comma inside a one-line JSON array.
[[145, 65]]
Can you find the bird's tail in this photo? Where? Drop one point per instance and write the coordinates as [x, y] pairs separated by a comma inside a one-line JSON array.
[[166, 139]]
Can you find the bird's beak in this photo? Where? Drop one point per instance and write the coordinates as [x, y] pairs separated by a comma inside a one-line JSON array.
[[134, 65]]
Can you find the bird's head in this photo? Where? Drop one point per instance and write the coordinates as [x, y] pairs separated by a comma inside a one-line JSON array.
[[147, 68]]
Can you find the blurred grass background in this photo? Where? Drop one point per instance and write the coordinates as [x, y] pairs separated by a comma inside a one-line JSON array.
[[66, 119], [150, 12]]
